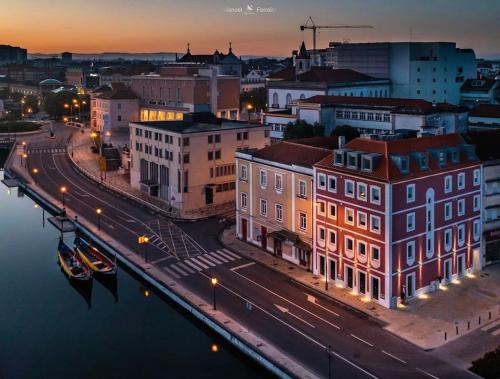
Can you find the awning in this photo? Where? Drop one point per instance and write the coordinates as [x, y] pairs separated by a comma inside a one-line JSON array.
[[286, 235]]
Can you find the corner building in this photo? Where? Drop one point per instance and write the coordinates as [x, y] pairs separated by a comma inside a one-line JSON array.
[[396, 219]]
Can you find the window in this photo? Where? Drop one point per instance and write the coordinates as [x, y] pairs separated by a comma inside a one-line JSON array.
[[279, 212], [332, 211], [211, 138], [349, 188], [447, 184], [210, 155], [410, 222], [375, 195], [375, 252], [185, 157], [303, 221], [263, 207], [362, 248], [476, 229], [244, 172], [321, 207], [278, 182], [349, 244], [322, 181], [476, 177], [410, 252], [244, 200], [362, 222], [461, 235], [217, 138], [185, 141], [332, 183], [447, 240], [476, 202], [263, 178], [362, 191], [375, 224], [119, 118], [302, 189], [349, 216], [217, 154], [461, 207], [410, 193], [332, 238], [447, 211], [461, 181]]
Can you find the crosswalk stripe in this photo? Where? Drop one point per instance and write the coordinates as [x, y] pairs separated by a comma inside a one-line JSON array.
[[491, 326], [207, 261], [200, 263], [236, 256], [193, 265], [186, 267], [220, 252], [209, 256], [220, 257], [496, 332], [174, 274], [179, 270]]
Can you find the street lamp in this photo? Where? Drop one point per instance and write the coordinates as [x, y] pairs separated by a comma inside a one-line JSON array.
[[249, 108], [143, 240], [25, 156], [63, 191], [35, 173], [98, 211], [214, 282]]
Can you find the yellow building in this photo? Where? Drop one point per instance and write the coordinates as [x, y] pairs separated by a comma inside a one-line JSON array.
[[274, 206]]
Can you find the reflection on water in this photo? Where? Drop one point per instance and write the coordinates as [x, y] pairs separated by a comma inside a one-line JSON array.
[[51, 327]]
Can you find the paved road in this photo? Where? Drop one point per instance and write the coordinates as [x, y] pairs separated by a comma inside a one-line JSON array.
[[291, 317]]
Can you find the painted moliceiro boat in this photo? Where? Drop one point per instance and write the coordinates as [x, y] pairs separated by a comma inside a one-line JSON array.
[[93, 258], [71, 263]]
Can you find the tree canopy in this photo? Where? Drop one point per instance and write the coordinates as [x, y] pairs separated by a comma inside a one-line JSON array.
[[302, 129], [347, 131], [256, 98]]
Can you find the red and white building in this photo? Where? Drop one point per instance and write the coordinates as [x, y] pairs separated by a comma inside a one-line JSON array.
[[395, 219]]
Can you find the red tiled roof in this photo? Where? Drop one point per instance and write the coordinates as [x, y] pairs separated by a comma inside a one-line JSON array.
[[387, 170], [114, 91], [329, 143], [292, 153], [478, 84], [416, 105], [288, 73], [486, 110]]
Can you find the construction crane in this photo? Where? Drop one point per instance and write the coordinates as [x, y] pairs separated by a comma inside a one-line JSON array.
[[311, 25]]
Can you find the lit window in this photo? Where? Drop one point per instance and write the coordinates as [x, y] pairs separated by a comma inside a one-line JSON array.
[[362, 191]]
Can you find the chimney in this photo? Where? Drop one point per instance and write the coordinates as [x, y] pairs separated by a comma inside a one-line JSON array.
[[341, 142]]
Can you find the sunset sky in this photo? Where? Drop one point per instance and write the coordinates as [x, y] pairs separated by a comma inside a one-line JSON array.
[[52, 26]]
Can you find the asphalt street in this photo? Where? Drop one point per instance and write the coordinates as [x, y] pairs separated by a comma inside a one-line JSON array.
[[293, 318]]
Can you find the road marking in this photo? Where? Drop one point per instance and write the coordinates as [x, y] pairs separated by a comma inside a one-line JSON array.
[[129, 220], [172, 273], [312, 299], [207, 261], [198, 262], [212, 259], [179, 270], [393, 356], [285, 310], [224, 254], [491, 326], [236, 256], [220, 257], [193, 265], [306, 336], [186, 267], [160, 260], [288, 301], [426, 373], [242, 266], [362, 340]]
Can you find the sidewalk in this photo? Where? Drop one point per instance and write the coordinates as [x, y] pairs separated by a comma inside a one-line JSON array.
[[422, 322], [119, 181]]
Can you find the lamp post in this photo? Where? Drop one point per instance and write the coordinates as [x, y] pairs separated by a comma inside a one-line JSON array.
[[63, 191], [249, 108], [98, 211], [35, 173], [214, 282], [143, 240]]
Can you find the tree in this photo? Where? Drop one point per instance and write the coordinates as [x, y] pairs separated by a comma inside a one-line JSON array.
[[488, 366], [347, 131], [256, 98], [302, 129], [30, 105], [53, 103]]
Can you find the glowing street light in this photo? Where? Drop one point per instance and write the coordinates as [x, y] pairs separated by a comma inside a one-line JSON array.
[[214, 282], [63, 191], [98, 211], [25, 156], [35, 173], [143, 240]]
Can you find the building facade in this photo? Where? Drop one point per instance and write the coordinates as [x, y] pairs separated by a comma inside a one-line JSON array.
[[274, 208], [396, 219], [475, 92], [189, 164], [484, 117]]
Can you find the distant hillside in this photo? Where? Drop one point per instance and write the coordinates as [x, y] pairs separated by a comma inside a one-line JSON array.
[[160, 56]]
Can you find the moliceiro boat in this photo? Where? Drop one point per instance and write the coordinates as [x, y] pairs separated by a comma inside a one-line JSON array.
[[93, 258], [71, 263]]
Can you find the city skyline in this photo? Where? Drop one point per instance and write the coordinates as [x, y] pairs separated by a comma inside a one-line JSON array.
[[163, 26]]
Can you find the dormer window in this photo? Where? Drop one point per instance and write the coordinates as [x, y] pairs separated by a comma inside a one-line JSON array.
[[367, 164], [338, 158], [353, 160], [424, 162], [454, 155], [402, 162]]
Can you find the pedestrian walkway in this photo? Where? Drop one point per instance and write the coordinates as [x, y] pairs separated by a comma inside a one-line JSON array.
[[42, 150], [493, 329], [430, 322], [200, 262]]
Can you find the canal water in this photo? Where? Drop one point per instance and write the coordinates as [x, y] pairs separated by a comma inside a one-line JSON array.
[[51, 329]]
